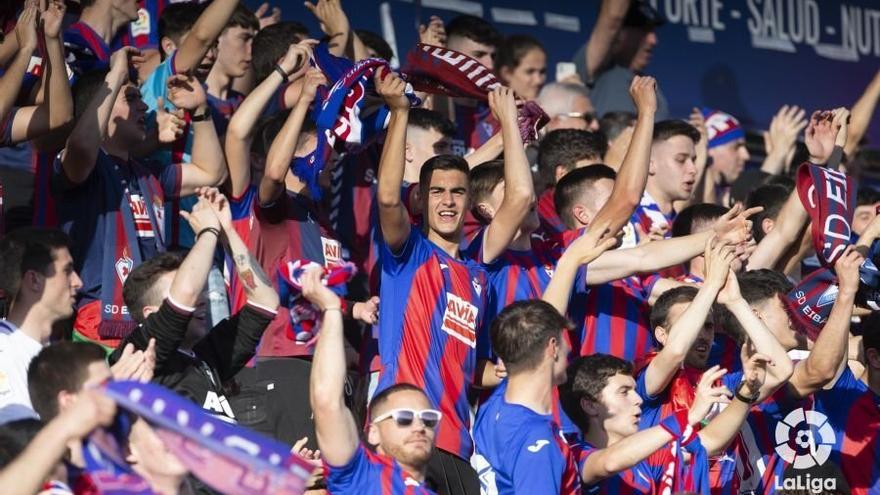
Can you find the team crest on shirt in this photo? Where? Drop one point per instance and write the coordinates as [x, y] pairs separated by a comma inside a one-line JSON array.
[[477, 287], [460, 319], [124, 266], [141, 27], [548, 269]]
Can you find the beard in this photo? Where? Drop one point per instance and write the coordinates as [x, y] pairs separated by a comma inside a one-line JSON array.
[[414, 457]]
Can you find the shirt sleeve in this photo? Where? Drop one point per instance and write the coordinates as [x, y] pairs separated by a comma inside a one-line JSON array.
[[413, 252], [168, 327], [350, 478], [6, 127], [170, 177], [539, 464], [233, 341]]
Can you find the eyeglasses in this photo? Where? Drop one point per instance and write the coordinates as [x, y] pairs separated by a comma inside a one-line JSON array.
[[589, 117], [405, 417]]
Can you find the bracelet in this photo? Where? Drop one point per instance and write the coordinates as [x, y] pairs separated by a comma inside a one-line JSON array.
[[748, 400], [208, 229], [284, 75], [201, 118]]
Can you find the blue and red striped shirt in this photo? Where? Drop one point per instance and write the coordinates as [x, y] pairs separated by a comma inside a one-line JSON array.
[[369, 473], [432, 311]]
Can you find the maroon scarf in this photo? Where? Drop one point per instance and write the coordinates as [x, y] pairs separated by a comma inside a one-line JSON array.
[[829, 198]]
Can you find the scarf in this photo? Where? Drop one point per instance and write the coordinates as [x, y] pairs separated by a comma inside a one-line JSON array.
[[682, 388], [350, 115], [121, 249], [435, 69], [305, 318], [829, 198], [205, 444]]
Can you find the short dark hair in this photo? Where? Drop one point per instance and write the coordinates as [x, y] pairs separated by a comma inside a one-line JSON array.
[[667, 129], [26, 249], [587, 376], [521, 331], [15, 437], [613, 123], [870, 327], [771, 197], [694, 215], [482, 180], [85, 88], [757, 286], [564, 148], [441, 162], [139, 290], [376, 43], [514, 48], [429, 119], [63, 366], [572, 185], [676, 295], [178, 18], [243, 17], [271, 43], [474, 28], [867, 196], [382, 397]]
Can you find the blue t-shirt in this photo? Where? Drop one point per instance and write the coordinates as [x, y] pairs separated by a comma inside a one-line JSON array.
[[368, 473]]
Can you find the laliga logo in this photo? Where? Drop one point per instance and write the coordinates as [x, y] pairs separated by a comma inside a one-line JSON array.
[[810, 435]]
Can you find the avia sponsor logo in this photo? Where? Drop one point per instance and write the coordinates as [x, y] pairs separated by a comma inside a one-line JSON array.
[[332, 251], [460, 319], [217, 404]]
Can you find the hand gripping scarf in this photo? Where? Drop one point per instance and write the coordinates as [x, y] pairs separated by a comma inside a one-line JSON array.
[[305, 318], [228, 458], [350, 115]]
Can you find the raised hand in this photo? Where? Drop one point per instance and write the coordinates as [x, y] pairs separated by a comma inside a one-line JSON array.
[[26, 28], [697, 120], [502, 102], [218, 202], [754, 369], [123, 59], [593, 243], [331, 16], [90, 409], [186, 92], [847, 269], [367, 311], [314, 78], [735, 226], [840, 124], [656, 233], [718, 257], [313, 457], [392, 89], [434, 33], [170, 124], [785, 127], [202, 216], [295, 61], [52, 18], [644, 94], [819, 136], [707, 394], [131, 364], [266, 17], [317, 293]]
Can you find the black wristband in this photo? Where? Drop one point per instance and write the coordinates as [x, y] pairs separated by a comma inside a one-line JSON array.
[[748, 400], [284, 74], [201, 118], [212, 230]]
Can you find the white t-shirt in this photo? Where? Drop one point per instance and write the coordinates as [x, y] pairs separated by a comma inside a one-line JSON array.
[[16, 352]]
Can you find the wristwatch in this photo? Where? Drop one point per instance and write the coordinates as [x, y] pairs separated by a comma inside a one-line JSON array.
[[202, 117], [747, 399]]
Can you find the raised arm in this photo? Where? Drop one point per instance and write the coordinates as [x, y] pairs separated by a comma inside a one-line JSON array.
[[633, 174], [862, 112], [781, 138], [519, 192], [583, 250], [26, 36], [81, 151], [203, 35], [334, 423], [608, 25], [284, 145], [192, 275], [334, 23], [680, 337], [393, 216], [830, 349], [240, 132]]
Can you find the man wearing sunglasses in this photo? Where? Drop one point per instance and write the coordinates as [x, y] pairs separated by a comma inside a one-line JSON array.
[[400, 434]]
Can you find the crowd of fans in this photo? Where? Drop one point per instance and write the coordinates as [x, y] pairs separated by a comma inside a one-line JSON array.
[[455, 278]]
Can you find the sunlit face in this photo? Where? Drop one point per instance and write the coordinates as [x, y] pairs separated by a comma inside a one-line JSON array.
[[620, 409], [234, 50], [422, 145], [410, 445], [527, 78], [862, 217], [698, 355], [730, 159], [529, 224], [672, 169], [484, 54], [61, 284], [775, 317], [127, 125], [446, 200], [579, 105], [127, 9], [591, 201], [634, 47]]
